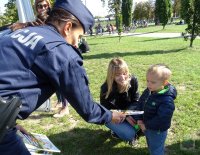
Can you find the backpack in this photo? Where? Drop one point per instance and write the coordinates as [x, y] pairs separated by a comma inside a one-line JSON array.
[[9, 110]]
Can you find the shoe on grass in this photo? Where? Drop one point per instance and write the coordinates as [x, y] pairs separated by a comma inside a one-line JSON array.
[[133, 143], [62, 112], [56, 107], [114, 135]]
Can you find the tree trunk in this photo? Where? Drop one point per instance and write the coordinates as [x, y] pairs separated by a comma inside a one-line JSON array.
[[193, 27], [191, 42], [163, 27]]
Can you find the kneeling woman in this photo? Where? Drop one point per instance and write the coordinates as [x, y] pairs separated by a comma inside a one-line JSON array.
[[120, 91]]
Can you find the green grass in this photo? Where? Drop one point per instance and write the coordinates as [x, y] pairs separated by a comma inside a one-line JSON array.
[[168, 29], [75, 137]]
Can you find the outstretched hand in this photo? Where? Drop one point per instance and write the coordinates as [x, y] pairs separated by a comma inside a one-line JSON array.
[[118, 117]]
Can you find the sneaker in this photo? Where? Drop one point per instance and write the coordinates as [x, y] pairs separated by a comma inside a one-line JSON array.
[[114, 135], [63, 111], [132, 143]]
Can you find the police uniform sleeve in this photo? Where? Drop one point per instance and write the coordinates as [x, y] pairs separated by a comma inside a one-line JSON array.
[[65, 71], [74, 86]]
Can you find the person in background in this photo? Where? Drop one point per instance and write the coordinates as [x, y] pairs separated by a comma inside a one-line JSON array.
[[83, 45], [42, 9], [38, 61], [120, 92], [64, 109], [157, 101]]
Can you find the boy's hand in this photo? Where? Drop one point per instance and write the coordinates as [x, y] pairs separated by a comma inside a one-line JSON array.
[[141, 125]]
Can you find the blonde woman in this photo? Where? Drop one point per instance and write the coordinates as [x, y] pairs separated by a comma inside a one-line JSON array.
[[120, 91]]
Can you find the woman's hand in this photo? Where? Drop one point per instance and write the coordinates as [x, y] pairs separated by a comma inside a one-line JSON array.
[[118, 117], [17, 26], [131, 120]]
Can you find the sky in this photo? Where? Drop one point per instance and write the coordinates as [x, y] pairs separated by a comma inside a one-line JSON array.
[[95, 6]]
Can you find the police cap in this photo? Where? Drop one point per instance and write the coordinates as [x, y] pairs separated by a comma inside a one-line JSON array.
[[79, 10]]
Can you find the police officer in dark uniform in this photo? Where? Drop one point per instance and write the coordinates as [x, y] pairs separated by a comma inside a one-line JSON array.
[[37, 61]]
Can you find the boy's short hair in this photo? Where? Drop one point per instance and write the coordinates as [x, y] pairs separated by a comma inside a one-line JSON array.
[[161, 70]]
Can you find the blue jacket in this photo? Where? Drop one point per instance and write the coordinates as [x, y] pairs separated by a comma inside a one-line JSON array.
[[158, 108], [37, 61]]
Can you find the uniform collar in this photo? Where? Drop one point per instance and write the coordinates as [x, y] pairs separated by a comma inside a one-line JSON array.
[[76, 49]]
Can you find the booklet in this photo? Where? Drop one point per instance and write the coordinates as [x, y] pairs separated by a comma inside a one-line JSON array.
[[38, 143], [130, 112]]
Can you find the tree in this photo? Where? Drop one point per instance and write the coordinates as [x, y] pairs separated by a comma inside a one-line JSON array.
[[138, 11], [115, 6], [127, 12], [163, 11], [10, 15], [2, 21], [191, 14], [176, 8], [143, 10]]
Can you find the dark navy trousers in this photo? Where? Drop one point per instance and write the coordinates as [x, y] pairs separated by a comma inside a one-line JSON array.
[[12, 144]]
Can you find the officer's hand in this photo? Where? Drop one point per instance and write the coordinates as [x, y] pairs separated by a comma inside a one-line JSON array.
[[118, 117], [20, 128]]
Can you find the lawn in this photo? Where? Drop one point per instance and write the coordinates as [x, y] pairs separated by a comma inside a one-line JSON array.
[[75, 137], [171, 28]]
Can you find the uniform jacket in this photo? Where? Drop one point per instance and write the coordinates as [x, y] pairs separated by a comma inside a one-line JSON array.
[[158, 108], [122, 101], [37, 61]]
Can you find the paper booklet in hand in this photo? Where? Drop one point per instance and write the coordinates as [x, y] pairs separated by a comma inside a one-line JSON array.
[[38, 143], [130, 112]]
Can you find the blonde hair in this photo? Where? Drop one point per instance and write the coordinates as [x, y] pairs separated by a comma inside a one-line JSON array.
[[116, 65], [162, 71]]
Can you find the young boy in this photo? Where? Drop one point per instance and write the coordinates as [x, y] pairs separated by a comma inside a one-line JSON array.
[[157, 101]]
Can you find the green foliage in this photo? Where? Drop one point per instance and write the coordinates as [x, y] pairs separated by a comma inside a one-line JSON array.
[[2, 21], [119, 24], [176, 8], [143, 10], [138, 11], [163, 11], [115, 5], [10, 15], [191, 15], [186, 10], [127, 12]]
